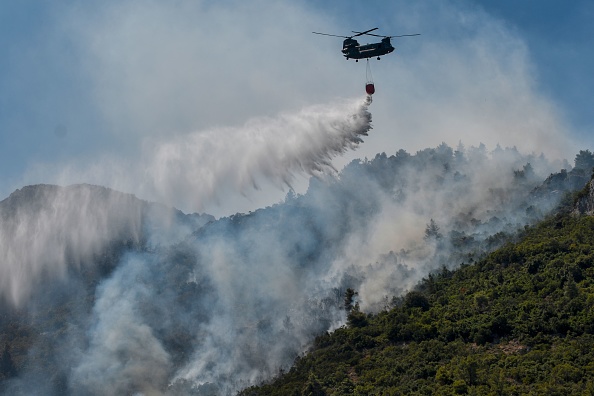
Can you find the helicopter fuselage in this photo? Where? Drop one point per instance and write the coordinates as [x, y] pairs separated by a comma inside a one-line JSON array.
[[352, 50]]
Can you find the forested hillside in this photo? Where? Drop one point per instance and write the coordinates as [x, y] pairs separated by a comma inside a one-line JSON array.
[[518, 322], [104, 293]]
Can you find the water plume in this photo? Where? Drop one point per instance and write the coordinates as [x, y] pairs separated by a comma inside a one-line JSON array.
[[45, 231], [195, 171], [203, 165]]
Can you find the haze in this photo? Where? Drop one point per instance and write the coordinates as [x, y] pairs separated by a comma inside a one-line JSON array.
[[88, 87]]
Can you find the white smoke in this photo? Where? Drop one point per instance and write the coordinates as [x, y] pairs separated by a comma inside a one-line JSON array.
[[213, 309], [124, 356], [452, 192], [229, 306], [263, 285]]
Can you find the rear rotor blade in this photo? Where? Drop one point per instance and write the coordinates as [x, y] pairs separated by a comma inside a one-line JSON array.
[[365, 32], [406, 35], [376, 35], [402, 35]]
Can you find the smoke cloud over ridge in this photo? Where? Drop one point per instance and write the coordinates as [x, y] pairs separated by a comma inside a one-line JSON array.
[[197, 306], [114, 295]]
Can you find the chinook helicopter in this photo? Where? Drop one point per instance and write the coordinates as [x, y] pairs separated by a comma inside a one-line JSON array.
[[352, 50]]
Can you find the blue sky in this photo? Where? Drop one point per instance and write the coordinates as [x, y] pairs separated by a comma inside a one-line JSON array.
[[85, 85], [560, 40], [559, 36]]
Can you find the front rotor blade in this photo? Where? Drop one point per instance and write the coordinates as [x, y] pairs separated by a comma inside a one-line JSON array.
[[333, 35]]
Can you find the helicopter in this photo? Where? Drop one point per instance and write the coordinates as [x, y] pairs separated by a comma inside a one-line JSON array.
[[352, 50]]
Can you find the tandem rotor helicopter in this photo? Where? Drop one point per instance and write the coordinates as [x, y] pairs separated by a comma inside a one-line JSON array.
[[352, 50]]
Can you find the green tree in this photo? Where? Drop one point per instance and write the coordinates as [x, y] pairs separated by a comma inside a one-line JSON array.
[[356, 318], [313, 387], [415, 299], [349, 296], [584, 160]]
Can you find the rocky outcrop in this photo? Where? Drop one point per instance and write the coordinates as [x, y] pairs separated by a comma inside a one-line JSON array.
[[585, 202]]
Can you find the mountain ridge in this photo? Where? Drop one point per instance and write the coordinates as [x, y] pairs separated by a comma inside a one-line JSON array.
[[518, 321], [224, 304]]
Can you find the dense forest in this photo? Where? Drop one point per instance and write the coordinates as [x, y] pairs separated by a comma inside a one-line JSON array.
[[520, 321], [104, 293]]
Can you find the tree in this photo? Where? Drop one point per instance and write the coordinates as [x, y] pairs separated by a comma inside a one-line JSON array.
[[356, 318], [349, 296], [584, 160], [432, 231], [526, 173], [402, 154], [415, 299], [313, 387], [7, 367], [529, 170], [459, 155]]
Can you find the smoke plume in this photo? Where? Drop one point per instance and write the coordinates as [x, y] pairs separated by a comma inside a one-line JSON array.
[[197, 306]]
